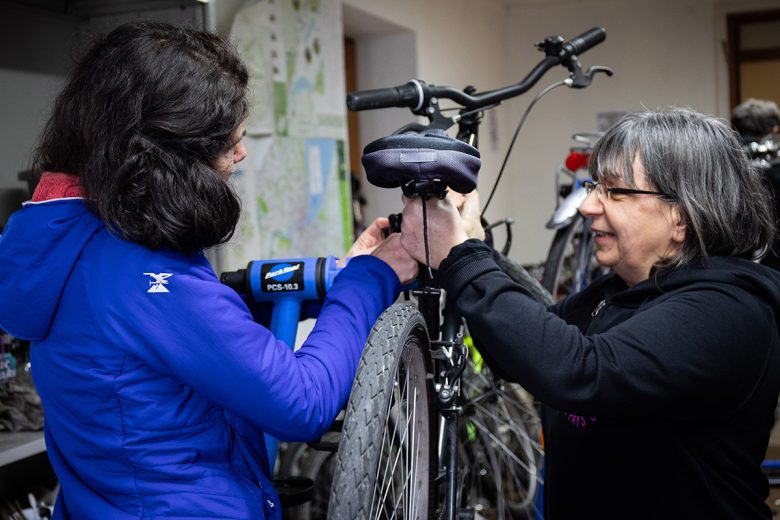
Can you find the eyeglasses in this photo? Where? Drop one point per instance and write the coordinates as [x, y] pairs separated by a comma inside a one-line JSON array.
[[603, 191]]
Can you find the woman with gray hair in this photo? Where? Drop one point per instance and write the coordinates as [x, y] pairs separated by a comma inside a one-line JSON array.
[[659, 381]]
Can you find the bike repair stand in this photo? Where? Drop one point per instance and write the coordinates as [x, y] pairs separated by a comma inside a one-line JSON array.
[[287, 283]]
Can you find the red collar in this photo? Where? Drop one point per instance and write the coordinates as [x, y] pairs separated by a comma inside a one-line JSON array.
[[55, 185]]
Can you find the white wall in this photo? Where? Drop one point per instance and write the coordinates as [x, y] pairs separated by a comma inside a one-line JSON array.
[[25, 104], [34, 60], [664, 52], [444, 42]]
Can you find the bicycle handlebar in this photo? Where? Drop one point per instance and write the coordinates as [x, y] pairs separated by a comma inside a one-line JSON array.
[[415, 94]]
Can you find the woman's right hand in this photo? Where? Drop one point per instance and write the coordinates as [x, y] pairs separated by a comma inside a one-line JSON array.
[[470, 213], [392, 252]]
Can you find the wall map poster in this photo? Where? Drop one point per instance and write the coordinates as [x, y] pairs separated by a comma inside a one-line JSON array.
[[293, 183]]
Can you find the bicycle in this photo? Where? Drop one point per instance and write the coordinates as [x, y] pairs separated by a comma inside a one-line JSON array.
[[407, 422], [570, 264], [290, 284]]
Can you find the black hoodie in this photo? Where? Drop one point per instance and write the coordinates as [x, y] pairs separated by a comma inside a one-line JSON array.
[[658, 399]]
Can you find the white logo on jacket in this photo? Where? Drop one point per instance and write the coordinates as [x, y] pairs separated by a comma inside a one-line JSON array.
[[159, 282]]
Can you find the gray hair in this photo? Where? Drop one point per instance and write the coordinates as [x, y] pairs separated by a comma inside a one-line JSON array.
[[697, 161]]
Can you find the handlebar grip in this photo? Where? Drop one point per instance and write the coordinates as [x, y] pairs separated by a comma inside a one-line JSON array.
[[409, 95], [585, 41]]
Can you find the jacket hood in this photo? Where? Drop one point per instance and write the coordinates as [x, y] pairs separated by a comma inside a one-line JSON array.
[[38, 249]]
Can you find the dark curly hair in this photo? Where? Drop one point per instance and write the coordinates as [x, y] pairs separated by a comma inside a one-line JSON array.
[[140, 121]]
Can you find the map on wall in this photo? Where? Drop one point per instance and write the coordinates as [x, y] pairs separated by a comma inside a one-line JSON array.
[[293, 183]]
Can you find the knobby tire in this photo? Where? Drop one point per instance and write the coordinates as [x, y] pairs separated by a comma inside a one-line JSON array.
[[386, 458]]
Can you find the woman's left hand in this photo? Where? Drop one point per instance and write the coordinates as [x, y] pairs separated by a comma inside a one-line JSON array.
[[368, 240]]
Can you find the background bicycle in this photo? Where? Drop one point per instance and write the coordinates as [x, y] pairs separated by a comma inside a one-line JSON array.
[[570, 265]]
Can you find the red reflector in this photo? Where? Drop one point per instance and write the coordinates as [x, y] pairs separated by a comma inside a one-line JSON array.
[[576, 160]]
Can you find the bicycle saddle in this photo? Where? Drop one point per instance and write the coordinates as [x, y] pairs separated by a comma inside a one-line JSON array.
[[431, 155]]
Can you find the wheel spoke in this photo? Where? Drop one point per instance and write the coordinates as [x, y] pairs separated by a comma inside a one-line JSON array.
[[391, 468], [385, 447], [531, 469]]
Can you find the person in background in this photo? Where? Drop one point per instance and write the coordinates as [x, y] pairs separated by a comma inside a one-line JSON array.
[[756, 120], [156, 401], [758, 124], [659, 380]]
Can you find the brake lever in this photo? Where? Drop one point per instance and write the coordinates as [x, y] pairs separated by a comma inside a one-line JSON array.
[[592, 71], [579, 79]]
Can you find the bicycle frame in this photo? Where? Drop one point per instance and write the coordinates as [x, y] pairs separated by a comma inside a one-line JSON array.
[[445, 331]]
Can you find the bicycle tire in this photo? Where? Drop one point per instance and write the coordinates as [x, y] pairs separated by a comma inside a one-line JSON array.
[[395, 366], [522, 277], [570, 264]]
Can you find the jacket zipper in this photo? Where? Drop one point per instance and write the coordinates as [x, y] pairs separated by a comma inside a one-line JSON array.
[[598, 308]]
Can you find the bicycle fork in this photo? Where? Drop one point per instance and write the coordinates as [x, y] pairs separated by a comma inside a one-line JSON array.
[[453, 352]]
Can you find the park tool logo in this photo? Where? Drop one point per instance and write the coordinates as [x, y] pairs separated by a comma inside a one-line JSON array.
[[282, 272], [282, 277]]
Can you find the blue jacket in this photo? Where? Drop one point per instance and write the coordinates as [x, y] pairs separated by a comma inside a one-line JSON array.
[[156, 402]]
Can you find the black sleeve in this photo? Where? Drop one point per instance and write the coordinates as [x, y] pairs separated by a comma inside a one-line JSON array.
[[471, 259], [696, 352]]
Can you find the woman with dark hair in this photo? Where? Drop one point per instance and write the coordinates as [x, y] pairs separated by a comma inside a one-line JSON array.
[[157, 385], [658, 381]]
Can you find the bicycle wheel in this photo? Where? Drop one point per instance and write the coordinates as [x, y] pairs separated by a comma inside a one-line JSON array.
[[502, 456], [386, 456], [570, 264], [501, 452]]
